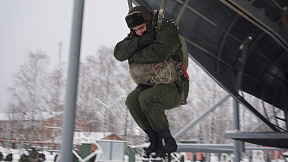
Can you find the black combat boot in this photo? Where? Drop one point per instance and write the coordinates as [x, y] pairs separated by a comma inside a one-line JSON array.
[[154, 142], [160, 153], [170, 144]]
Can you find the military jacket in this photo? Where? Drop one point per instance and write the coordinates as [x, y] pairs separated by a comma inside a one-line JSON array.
[[166, 45]]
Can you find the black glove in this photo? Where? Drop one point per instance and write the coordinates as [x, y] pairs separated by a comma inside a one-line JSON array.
[[146, 39]]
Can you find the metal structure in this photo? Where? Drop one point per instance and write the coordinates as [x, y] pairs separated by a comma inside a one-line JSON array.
[[72, 81], [266, 139], [242, 45]]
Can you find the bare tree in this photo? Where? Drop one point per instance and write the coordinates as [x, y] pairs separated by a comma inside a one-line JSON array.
[[103, 86], [29, 90], [87, 99], [55, 85], [55, 89]]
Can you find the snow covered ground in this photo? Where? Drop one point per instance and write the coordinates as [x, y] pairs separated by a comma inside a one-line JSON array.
[[18, 152]]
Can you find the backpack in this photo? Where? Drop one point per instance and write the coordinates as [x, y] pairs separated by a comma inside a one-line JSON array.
[[184, 51], [165, 72], [182, 75], [184, 61], [161, 73]]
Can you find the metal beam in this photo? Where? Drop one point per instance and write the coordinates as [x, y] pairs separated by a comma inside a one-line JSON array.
[[236, 126], [194, 122], [272, 139], [260, 124], [286, 117], [185, 4], [210, 148], [256, 17], [242, 61], [206, 150], [257, 135], [207, 52], [254, 111], [223, 41], [179, 16], [72, 81]]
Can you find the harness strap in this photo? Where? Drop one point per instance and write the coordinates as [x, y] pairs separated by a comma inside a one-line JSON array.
[[185, 72], [130, 4], [180, 82], [161, 13]]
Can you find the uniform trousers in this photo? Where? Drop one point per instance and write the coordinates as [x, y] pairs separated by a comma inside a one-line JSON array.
[[147, 104]]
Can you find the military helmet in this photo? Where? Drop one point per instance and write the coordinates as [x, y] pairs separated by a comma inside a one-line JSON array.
[[137, 16]]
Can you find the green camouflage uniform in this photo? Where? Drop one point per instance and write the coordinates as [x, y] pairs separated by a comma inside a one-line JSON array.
[[33, 155], [147, 104]]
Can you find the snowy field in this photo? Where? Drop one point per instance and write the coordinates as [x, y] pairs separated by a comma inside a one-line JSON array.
[[18, 152]]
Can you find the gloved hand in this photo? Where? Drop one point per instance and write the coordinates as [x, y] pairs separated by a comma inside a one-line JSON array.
[[146, 39]]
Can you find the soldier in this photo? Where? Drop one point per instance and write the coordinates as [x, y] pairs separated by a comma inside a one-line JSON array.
[[148, 48], [9, 157], [33, 155], [1, 156], [24, 158]]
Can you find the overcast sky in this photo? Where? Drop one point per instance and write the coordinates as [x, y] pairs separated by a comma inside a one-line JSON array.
[[34, 25]]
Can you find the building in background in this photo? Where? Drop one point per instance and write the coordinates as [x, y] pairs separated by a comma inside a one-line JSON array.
[[38, 129]]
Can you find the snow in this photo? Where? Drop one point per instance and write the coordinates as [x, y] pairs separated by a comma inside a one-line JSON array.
[[93, 135], [18, 152], [81, 137], [27, 116]]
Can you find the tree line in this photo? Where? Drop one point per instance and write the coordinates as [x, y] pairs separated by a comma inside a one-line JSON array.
[[103, 85]]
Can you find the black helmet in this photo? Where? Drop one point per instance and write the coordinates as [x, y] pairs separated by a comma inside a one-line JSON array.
[[137, 16]]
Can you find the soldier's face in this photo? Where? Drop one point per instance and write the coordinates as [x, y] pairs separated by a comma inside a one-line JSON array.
[[140, 29]]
